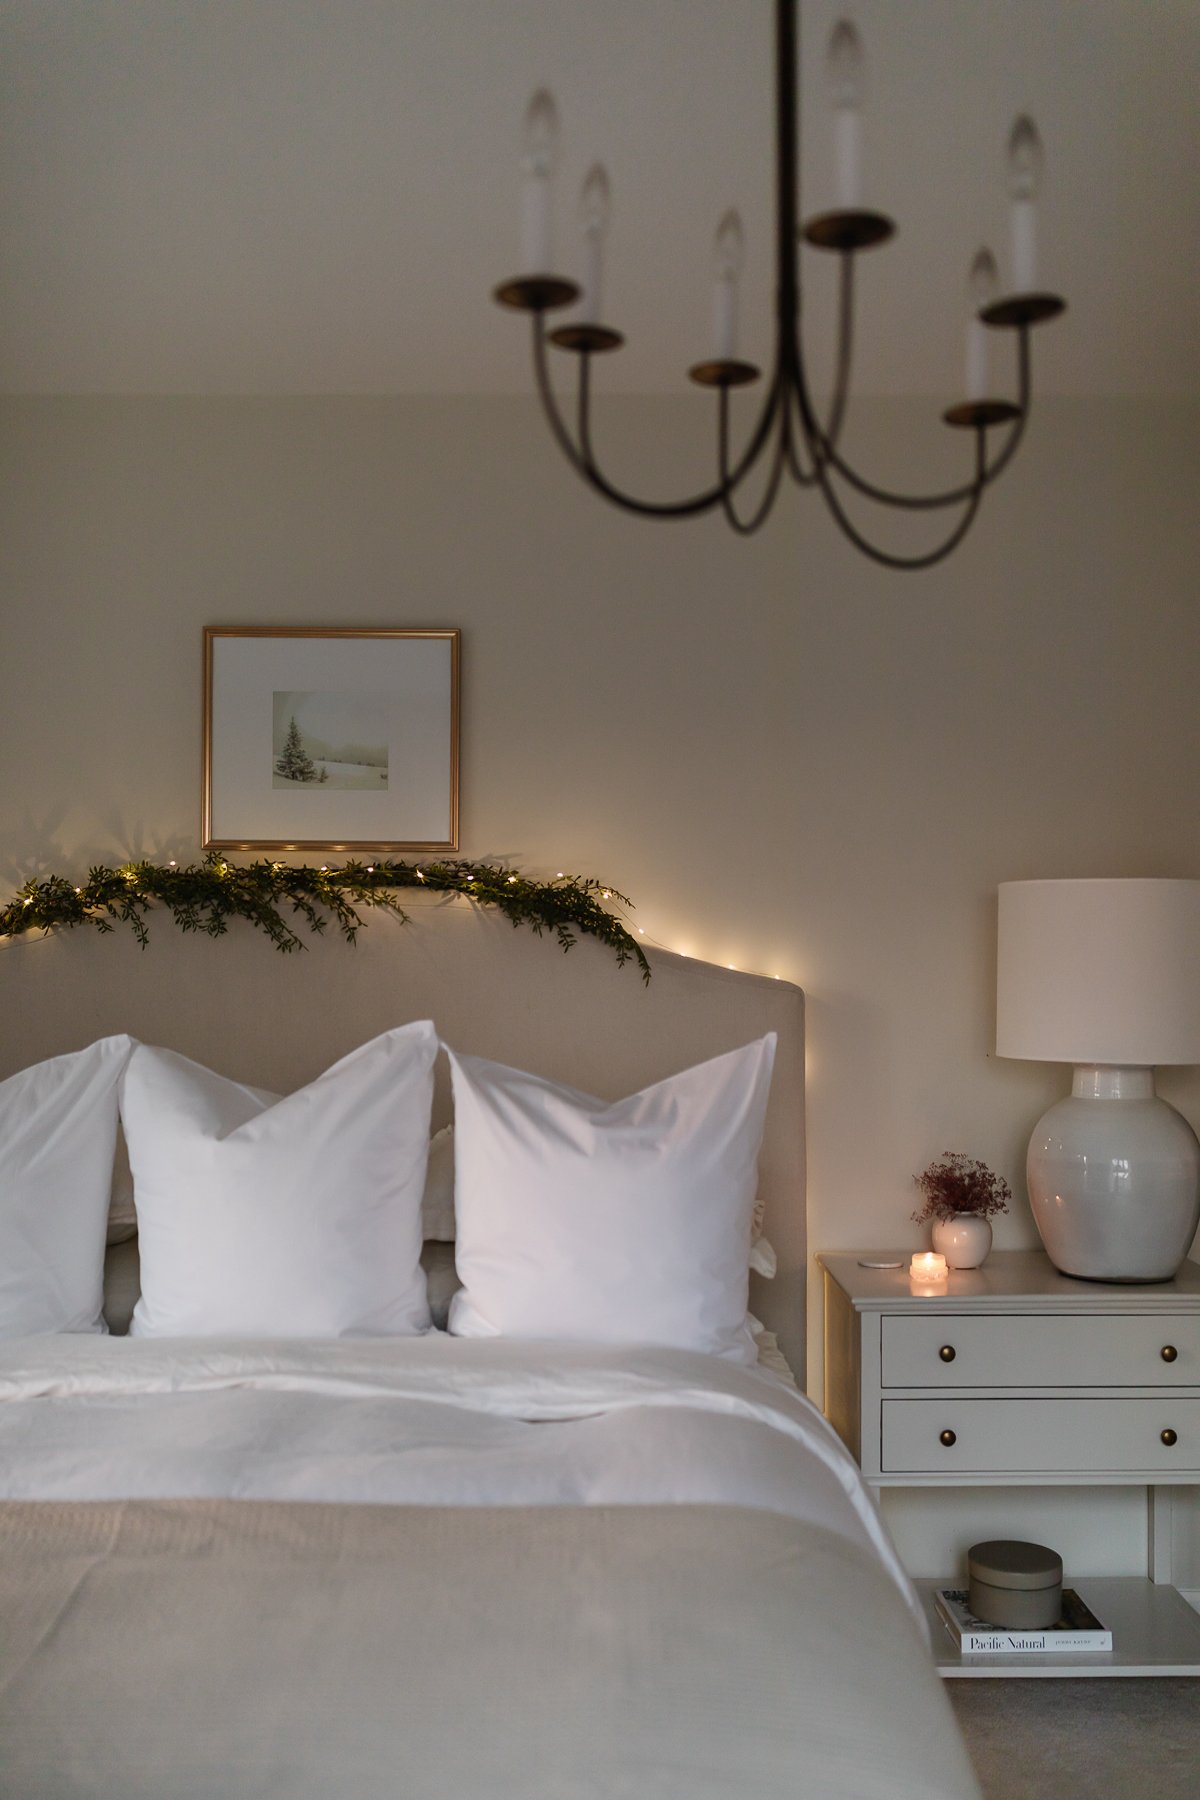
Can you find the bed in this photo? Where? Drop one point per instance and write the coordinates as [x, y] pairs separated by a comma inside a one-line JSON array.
[[591, 1540]]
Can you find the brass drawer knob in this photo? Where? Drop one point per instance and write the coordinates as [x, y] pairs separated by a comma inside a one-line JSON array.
[[1168, 1437], [947, 1353], [950, 1437], [1168, 1353]]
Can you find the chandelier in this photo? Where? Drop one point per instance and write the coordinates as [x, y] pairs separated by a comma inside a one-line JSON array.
[[790, 433]]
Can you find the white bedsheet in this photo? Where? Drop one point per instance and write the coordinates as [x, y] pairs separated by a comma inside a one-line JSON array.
[[428, 1421]]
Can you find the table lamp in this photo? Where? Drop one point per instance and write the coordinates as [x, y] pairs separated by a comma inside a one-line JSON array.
[[1106, 975]]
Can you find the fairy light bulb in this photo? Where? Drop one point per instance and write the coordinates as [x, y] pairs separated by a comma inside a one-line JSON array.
[[982, 285], [539, 161], [729, 254], [1025, 163], [846, 68], [595, 210]]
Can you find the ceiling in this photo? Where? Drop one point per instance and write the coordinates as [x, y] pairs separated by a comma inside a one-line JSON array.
[[271, 196]]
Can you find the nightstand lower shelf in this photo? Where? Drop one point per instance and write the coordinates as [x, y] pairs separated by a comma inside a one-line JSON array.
[[1155, 1632]]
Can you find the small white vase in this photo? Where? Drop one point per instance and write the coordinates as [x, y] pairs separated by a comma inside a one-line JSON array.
[[964, 1240]]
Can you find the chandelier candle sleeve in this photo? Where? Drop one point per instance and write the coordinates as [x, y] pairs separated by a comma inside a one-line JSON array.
[[981, 291], [729, 256], [538, 164], [1024, 177], [845, 63], [594, 208]]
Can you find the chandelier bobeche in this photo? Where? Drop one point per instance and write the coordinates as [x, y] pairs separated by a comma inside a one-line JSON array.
[[788, 430]]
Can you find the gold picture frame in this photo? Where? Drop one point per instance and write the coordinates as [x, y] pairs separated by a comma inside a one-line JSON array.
[[331, 738]]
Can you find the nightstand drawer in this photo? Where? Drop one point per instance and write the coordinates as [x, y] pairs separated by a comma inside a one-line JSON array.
[[957, 1437], [1050, 1350]]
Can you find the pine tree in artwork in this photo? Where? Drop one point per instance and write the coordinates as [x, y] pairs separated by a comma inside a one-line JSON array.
[[294, 764]]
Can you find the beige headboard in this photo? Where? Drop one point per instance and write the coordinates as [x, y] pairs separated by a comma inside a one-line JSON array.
[[276, 1021]]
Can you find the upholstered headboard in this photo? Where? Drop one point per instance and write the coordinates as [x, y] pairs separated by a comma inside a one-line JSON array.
[[276, 1021]]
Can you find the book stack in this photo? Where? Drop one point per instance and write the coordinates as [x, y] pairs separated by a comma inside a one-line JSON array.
[[1077, 1629]]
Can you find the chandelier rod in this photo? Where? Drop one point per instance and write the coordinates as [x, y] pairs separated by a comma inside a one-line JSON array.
[[787, 396]]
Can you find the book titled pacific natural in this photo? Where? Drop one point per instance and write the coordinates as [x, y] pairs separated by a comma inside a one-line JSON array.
[[1077, 1629]]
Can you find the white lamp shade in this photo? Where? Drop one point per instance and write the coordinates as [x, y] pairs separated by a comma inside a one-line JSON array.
[[1099, 972]]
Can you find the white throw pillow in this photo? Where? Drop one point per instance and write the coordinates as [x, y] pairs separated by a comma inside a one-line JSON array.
[[294, 1218], [437, 1207], [58, 1130], [437, 1202], [621, 1223]]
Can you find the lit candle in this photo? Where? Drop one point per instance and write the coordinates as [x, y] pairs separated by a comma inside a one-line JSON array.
[[927, 1265], [594, 208], [537, 169], [845, 66], [981, 291], [1024, 174], [729, 248]]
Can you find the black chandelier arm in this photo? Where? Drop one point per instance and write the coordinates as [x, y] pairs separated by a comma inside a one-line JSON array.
[[805, 478], [821, 443], [747, 527], [582, 456], [549, 403], [1024, 403], [974, 495], [826, 453]]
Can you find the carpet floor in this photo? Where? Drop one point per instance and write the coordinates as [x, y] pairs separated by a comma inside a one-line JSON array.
[[1135, 1739]]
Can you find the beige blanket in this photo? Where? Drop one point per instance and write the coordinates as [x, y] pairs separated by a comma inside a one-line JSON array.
[[247, 1650]]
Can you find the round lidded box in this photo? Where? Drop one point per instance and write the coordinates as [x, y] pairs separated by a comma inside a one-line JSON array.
[[1014, 1585]]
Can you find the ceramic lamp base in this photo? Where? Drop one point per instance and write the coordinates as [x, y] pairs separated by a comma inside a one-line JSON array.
[[1114, 1179]]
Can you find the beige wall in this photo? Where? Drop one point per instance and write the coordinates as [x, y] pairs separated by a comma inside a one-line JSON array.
[[793, 761]]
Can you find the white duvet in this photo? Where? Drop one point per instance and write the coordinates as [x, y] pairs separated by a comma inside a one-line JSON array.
[[427, 1421]]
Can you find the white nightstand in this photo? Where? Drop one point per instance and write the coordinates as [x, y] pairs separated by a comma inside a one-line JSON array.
[[1017, 1375]]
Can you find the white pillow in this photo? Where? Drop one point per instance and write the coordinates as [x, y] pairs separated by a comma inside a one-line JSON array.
[[58, 1129], [437, 1207], [437, 1202], [294, 1218], [622, 1223]]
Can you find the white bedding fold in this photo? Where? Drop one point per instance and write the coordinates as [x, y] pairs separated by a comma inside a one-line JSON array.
[[427, 1421]]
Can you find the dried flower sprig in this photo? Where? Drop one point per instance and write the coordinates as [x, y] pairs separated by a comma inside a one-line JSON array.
[[958, 1185], [205, 896]]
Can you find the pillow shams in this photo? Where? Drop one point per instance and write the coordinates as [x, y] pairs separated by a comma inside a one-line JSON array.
[[437, 1202], [297, 1218], [122, 1282], [622, 1223], [58, 1128]]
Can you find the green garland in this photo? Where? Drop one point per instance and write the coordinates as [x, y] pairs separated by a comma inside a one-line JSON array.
[[204, 896]]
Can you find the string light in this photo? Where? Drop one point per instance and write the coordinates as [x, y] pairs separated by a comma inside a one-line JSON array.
[[201, 897]]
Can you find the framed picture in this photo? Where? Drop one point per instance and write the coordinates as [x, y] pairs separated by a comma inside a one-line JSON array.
[[324, 739]]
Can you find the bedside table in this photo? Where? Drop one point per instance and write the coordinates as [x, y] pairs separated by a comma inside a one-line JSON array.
[[1017, 1375]]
